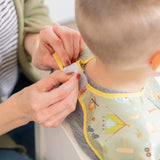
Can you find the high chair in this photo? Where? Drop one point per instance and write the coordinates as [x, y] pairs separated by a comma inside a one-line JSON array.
[[57, 144]]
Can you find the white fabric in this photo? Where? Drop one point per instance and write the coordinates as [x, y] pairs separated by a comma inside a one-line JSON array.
[[8, 48]]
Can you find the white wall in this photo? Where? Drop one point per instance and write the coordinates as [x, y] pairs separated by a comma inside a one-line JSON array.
[[61, 11]]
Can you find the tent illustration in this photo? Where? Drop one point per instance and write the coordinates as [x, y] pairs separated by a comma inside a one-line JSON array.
[[113, 124]]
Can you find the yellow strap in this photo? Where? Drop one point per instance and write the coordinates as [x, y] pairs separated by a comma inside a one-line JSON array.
[[58, 61], [115, 95], [89, 59], [60, 65], [81, 62], [81, 102], [85, 127]]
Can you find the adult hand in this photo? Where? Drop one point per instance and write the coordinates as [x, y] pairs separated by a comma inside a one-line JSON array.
[[67, 43], [47, 105]]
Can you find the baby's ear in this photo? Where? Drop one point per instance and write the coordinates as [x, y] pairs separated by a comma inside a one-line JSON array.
[[155, 61]]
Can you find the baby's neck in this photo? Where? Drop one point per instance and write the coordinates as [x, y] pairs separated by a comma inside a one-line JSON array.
[[129, 81]]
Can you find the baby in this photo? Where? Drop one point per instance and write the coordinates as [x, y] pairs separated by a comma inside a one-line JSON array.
[[118, 116]]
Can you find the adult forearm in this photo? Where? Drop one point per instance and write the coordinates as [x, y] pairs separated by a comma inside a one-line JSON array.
[[10, 115]]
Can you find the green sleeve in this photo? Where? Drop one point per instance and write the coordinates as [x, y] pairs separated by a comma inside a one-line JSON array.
[[35, 16], [7, 143], [32, 16]]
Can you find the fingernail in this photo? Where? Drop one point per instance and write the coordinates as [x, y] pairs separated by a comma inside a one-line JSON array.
[[67, 63], [78, 76], [73, 60], [69, 73]]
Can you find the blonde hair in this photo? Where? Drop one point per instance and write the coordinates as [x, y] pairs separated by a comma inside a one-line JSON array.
[[120, 32]]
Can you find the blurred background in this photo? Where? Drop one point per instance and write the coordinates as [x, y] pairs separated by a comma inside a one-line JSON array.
[[61, 11]]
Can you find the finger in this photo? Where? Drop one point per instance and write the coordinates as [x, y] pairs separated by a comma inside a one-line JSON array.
[[45, 61], [76, 46], [56, 43], [60, 93], [82, 45], [55, 121], [66, 35], [63, 109], [59, 107], [49, 82], [56, 124]]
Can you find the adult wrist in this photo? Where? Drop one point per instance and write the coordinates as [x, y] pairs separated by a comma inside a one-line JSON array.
[[19, 114], [11, 116], [31, 43]]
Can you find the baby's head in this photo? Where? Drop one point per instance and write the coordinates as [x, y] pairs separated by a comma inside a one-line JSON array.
[[123, 34]]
